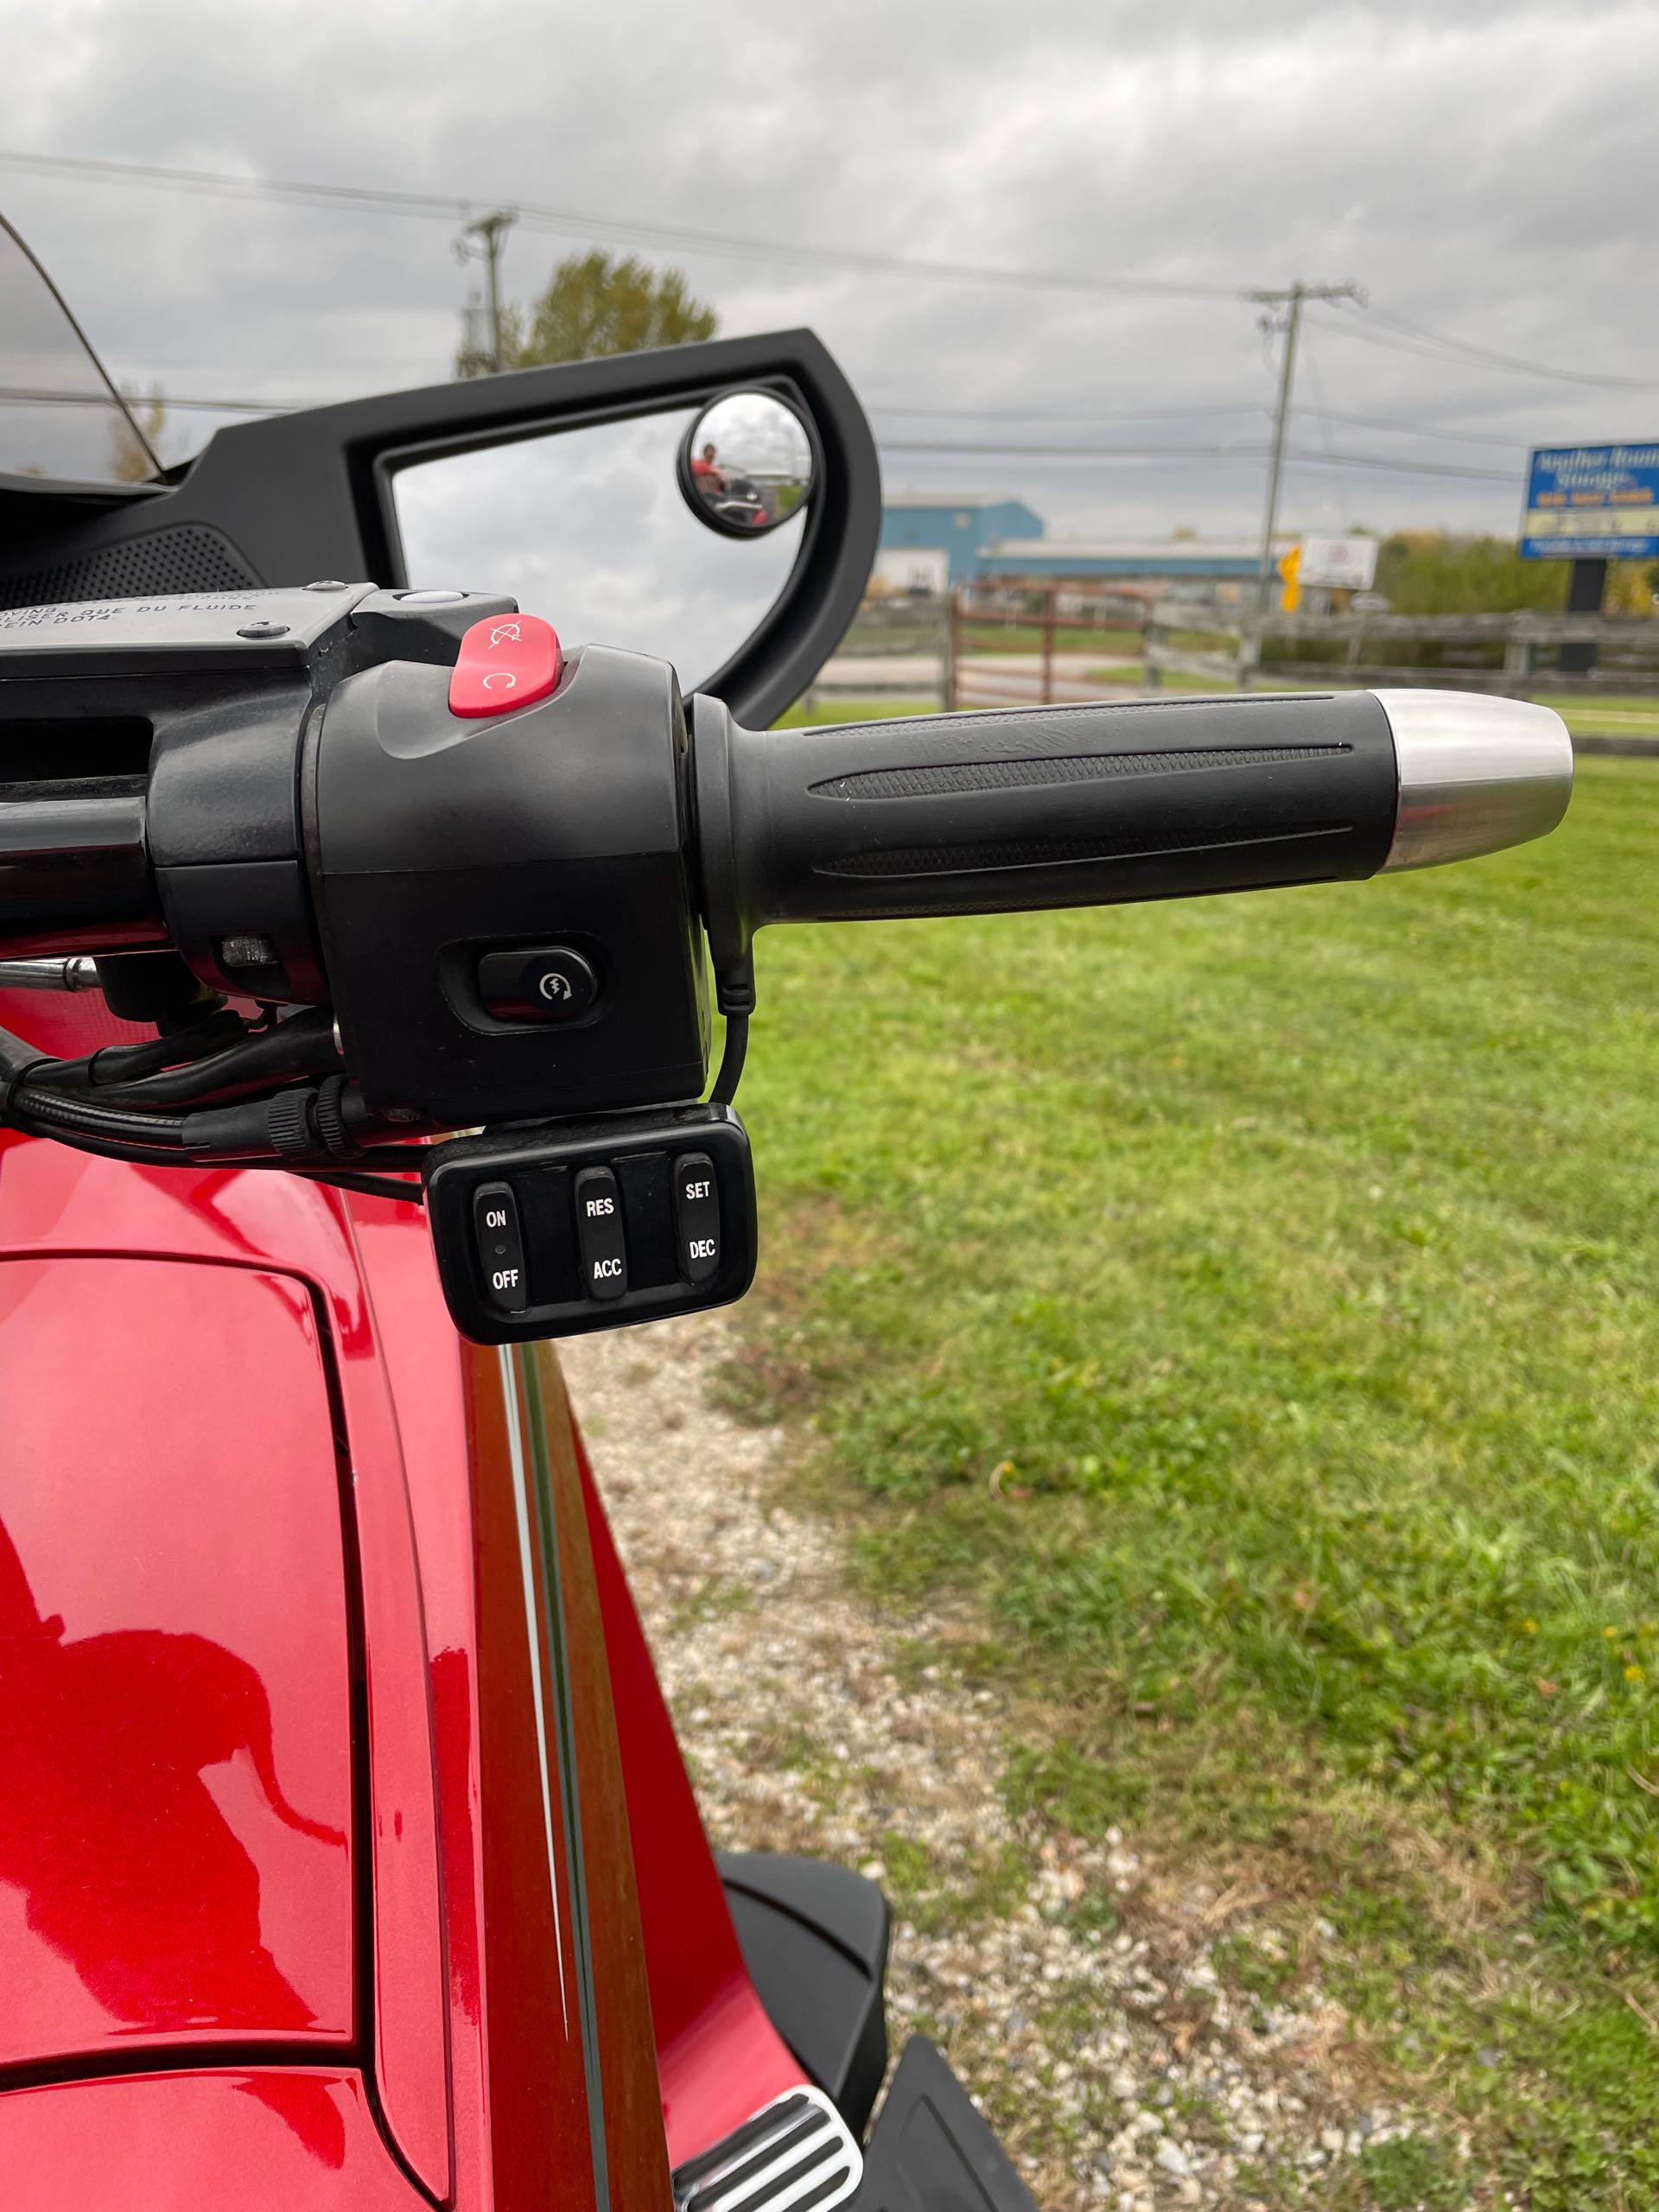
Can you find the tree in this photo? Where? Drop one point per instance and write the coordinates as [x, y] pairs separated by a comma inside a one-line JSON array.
[[1434, 572], [596, 304], [130, 456]]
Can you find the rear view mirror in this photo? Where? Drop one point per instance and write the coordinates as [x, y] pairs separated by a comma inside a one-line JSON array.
[[588, 527], [562, 486], [747, 464]]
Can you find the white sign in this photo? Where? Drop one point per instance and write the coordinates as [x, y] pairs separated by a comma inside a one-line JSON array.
[[924, 570], [1339, 563]]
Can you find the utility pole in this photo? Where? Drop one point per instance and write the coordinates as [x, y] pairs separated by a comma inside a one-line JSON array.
[[1291, 301], [482, 352]]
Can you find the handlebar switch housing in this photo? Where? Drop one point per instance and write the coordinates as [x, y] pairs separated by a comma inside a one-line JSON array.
[[571, 1227], [437, 842]]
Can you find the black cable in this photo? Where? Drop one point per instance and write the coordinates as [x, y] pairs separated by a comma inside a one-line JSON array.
[[115, 1124], [731, 1060], [123, 1064], [371, 1186], [135, 1154], [302, 1046]]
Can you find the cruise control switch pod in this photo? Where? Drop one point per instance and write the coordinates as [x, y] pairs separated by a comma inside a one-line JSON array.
[[1085, 806]]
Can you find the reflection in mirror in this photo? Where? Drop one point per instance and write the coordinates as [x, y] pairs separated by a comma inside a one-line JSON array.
[[747, 463], [588, 528]]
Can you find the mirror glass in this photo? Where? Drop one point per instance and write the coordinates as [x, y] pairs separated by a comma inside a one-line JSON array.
[[589, 529], [747, 463]]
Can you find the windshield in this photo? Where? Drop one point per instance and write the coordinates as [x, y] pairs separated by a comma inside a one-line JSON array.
[[60, 415]]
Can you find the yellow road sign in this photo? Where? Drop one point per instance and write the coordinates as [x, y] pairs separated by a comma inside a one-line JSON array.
[[1290, 566]]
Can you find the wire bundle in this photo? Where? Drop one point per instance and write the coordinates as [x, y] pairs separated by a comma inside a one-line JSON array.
[[225, 1091]]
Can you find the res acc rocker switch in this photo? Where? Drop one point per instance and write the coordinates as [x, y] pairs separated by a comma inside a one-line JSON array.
[[500, 1247], [598, 1234]]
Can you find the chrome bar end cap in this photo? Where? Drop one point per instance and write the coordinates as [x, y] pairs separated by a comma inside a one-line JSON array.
[[1476, 774]]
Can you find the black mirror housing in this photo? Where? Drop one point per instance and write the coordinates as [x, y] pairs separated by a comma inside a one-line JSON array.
[[297, 498]]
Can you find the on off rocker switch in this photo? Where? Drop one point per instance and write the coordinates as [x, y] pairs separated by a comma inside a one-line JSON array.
[[598, 1234], [500, 1247]]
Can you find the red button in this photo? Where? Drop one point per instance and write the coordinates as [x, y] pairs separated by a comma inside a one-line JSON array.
[[506, 661]]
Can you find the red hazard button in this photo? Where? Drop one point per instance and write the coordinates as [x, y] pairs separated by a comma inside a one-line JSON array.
[[506, 661]]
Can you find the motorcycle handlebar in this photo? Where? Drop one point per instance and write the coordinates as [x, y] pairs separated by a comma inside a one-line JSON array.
[[1082, 805]]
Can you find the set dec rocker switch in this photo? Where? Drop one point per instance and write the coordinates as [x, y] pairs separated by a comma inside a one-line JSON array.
[[556, 1230]]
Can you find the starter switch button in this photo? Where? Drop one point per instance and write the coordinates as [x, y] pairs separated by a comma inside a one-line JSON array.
[[506, 661]]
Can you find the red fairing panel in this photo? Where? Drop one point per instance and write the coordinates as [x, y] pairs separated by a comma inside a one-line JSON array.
[[233, 1413], [65, 1214], [174, 1727], [276, 2140]]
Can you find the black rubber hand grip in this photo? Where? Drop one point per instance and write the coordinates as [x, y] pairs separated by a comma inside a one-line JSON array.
[[1055, 806]]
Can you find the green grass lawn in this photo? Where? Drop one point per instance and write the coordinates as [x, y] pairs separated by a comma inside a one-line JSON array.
[[1615, 715], [1253, 1305], [853, 710], [1619, 716]]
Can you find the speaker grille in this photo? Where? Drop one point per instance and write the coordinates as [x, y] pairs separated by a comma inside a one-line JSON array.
[[185, 558]]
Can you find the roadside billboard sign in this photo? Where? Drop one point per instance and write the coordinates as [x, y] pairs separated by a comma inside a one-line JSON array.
[[1592, 503], [1339, 563]]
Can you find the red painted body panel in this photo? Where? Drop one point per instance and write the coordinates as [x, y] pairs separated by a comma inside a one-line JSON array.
[[718, 2058], [174, 1861], [494, 1861], [271, 2140]]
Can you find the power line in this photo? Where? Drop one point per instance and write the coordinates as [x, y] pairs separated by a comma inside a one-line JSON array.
[[1378, 462], [1322, 418], [534, 215], [1442, 346], [41, 396], [17, 395], [1171, 414], [1061, 415], [1413, 430]]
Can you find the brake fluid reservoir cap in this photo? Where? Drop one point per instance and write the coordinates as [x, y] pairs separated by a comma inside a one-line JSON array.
[[506, 661]]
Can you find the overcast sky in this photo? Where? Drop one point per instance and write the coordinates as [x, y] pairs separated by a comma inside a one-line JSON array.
[[1487, 170]]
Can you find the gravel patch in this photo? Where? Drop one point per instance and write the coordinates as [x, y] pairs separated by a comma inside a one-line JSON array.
[[1076, 1987]]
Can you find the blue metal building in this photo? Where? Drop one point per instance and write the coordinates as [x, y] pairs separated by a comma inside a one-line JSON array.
[[960, 525], [1198, 560]]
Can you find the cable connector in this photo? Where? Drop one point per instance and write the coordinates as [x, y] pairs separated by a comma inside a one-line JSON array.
[[284, 1125]]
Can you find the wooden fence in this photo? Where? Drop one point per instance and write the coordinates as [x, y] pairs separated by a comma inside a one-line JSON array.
[[1627, 650], [981, 671]]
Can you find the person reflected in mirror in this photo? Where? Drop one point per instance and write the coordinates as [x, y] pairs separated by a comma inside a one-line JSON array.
[[707, 474]]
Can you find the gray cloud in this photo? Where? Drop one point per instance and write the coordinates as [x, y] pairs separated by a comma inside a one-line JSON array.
[[1485, 169]]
